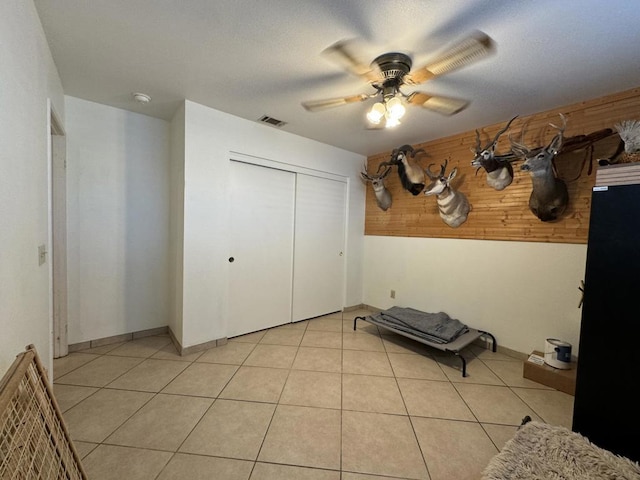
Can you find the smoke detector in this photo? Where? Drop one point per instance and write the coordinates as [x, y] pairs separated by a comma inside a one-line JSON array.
[[141, 98]]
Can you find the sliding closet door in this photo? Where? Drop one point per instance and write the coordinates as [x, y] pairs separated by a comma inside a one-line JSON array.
[[261, 254], [318, 279]]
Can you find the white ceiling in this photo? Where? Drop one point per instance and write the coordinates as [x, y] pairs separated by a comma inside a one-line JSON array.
[[250, 57]]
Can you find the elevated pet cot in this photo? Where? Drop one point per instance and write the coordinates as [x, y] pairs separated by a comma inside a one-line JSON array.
[[436, 330]]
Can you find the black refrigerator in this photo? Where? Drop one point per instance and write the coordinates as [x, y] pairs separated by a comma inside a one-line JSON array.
[[607, 405]]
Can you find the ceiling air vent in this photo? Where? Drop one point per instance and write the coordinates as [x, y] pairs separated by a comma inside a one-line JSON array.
[[272, 121]]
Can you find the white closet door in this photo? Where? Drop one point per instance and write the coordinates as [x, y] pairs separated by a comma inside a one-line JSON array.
[[260, 274], [318, 279]]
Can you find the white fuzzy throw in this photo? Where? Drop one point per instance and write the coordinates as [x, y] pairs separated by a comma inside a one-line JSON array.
[[629, 131], [544, 452]]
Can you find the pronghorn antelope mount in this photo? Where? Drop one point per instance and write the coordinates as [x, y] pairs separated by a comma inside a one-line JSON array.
[[383, 196], [411, 174], [549, 197], [497, 167], [452, 204]]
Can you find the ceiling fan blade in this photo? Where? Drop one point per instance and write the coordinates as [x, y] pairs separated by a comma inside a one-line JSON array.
[[473, 48], [442, 105], [346, 55], [315, 105]]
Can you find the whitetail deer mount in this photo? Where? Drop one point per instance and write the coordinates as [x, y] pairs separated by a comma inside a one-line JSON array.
[[383, 196], [411, 174], [499, 171], [452, 204], [549, 196]]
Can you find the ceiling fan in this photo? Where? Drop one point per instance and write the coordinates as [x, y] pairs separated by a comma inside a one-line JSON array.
[[390, 71]]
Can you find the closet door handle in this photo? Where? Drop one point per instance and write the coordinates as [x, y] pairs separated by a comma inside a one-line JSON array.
[[231, 259]]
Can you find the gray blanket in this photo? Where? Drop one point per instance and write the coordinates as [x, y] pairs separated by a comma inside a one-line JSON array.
[[435, 327]]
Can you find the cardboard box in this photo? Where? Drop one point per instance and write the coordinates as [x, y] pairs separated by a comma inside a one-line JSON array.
[[563, 380]]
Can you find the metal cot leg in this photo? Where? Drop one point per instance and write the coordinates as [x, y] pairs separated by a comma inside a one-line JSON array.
[[494, 345], [464, 363]]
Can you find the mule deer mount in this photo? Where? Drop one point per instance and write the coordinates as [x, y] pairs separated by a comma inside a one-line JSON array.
[[452, 204], [411, 174], [383, 196], [499, 172], [549, 196]]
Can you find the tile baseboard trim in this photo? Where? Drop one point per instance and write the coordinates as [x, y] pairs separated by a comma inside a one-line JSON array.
[[183, 351], [125, 337], [353, 308]]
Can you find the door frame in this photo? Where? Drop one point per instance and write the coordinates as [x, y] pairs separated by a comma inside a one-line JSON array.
[[265, 310], [302, 274], [57, 232], [289, 167]]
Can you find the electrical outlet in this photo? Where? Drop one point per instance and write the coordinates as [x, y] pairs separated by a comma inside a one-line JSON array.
[[393, 294]]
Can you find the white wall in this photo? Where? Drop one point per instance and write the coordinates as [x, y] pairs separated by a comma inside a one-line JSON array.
[[210, 136], [520, 292], [118, 220], [28, 77]]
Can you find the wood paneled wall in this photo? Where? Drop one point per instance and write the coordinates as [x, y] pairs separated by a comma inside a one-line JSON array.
[[505, 215]]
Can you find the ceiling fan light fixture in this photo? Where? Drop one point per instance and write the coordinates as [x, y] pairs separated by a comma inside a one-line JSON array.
[[392, 122], [388, 72], [376, 113], [395, 108]]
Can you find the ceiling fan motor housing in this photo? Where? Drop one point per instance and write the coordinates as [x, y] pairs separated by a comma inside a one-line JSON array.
[[393, 66]]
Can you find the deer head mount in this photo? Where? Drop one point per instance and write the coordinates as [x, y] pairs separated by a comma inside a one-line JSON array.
[[452, 204], [549, 196], [383, 196], [497, 167], [411, 174]]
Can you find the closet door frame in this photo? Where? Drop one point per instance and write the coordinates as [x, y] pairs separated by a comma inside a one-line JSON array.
[[319, 244], [264, 162], [260, 268]]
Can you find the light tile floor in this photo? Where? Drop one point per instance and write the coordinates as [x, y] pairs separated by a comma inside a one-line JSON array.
[[312, 400]]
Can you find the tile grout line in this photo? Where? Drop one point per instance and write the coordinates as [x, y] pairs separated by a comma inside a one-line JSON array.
[[290, 369], [413, 429], [264, 438], [215, 399], [105, 387]]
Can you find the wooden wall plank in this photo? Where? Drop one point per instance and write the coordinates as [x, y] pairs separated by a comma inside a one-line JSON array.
[[505, 215]]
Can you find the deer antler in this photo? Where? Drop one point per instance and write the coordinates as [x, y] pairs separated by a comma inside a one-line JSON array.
[[556, 143], [520, 149], [364, 173], [564, 124]]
